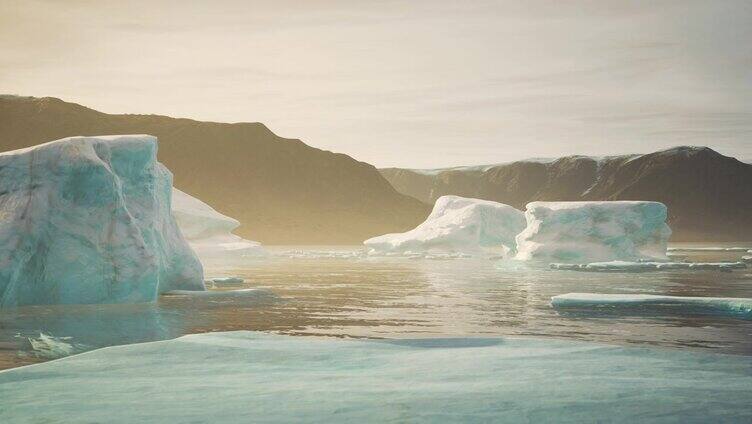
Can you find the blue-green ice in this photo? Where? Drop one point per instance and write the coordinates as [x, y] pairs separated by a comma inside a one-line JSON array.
[[256, 377]]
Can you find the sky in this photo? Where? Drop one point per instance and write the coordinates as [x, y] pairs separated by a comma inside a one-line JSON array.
[[419, 84]]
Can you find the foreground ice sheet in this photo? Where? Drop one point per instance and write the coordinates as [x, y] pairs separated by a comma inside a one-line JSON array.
[[255, 377], [208, 231], [594, 231], [623, 266], [741, 307], [87, 220], [457, 224]]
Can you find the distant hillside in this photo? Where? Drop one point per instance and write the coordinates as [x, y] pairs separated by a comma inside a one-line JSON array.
[[281, 190], [709, 195]]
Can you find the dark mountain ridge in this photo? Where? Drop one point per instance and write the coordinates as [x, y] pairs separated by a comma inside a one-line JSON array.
[[281, 190], [709, 195]]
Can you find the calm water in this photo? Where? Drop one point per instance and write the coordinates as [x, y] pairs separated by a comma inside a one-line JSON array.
[[333, 291]]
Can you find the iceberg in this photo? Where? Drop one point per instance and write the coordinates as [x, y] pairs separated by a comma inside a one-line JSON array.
[[457, 224], [741, 307], [87, 220], [624, 266], [209, 232], [282, 379], [594, 232]]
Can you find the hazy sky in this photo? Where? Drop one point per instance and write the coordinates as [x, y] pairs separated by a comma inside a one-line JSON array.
[[406, 83]]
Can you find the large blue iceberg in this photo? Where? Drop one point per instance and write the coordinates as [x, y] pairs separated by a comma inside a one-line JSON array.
[[88, 220], [241, 377], [594, 232]]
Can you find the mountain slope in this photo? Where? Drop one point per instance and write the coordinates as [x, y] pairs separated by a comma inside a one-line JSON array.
[[281, 190], [709, 196]]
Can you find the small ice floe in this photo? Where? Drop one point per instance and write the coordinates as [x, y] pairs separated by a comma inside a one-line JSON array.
[[709, 249], [321, 254], [240, 293], [224, 281], [51, 347], [622, 266], [737, 306], [434, 255], [747, 259]]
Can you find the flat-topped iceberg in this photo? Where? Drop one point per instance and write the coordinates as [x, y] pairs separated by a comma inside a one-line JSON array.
[[736, 306], [209, 232], [457, 224], [87, 220], [594, 232], [623, 266], [286, 379]]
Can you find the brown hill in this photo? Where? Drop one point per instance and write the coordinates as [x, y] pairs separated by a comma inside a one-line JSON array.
[[281, 190], [709, 196]]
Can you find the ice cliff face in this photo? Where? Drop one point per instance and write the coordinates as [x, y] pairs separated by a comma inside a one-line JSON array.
[[209, 232], [594, 231], [457, 224], [87, 220]]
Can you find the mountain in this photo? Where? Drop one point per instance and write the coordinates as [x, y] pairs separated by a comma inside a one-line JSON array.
[[709, 196], [281, 190]]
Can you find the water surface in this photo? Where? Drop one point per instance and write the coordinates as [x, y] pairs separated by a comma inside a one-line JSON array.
[[337, 291]]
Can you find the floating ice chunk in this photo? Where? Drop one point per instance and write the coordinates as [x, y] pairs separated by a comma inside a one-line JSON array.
[[283, 379], [747, 259], [457, 224], [256, 293], [623, 266], [227, 281], [709, 249], [727, 305], [208, 231], [321, 254], [87, 220], [594, 232], [50, 347]]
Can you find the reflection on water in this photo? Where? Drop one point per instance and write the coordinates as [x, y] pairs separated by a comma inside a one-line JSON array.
[[355, 296]]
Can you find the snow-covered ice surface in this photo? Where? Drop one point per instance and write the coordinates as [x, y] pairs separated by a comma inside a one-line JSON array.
[[734, 306], [256, 377], [208, 231], [623, 266], [582, 232], [87, 220], [457, 224]]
